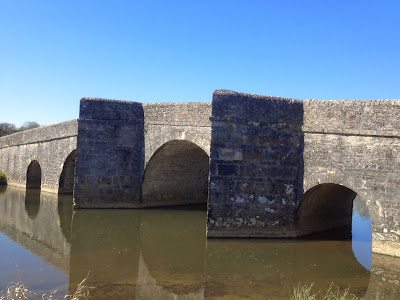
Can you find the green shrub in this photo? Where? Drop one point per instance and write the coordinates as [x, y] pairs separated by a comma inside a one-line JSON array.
[[3, 179]]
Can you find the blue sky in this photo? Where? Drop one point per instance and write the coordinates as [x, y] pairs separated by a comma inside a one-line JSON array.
[[52, 53]]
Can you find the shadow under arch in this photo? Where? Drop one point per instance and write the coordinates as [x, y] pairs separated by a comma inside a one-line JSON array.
[[326, 207], [34, 175], [327, 211], [176, 174], [32, 202], [336, 212], [67, 177]]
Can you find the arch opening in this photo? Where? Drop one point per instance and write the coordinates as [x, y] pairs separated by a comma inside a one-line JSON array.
[[67, 177], [177, 174], [34, 175], [334, 212], [326, 207]]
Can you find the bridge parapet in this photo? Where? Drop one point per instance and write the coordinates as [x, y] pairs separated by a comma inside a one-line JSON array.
[[165, 122], [353, 117], [41, 134], [178, 114]]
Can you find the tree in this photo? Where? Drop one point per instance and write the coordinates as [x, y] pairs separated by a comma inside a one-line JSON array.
[[7, 128], [28, 125]]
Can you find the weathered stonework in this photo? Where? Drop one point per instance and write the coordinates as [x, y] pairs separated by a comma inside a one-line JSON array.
[[49, 145], [357, 144], [116, 141], [109, 162], [328, 147], [276, 166], [256, 146], [177, 149]]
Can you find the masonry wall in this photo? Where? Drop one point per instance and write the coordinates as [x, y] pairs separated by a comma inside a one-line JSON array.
[[165, 122], [110, 155], [357, 144], [256, 163], [267, 152], [177, 148], [49, 145]]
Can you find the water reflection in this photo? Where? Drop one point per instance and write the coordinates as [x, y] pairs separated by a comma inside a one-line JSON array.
[[164, 254], [273, 268], [106, 243], [32, 202], [163, 246], [362, 233], [31, 243], [3, 189], [64, 208]]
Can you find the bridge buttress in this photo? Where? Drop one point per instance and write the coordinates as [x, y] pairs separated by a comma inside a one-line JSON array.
[[110, 154], [255, 167]]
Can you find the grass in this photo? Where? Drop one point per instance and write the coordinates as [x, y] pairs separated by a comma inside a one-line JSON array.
[[3, 179], [20, 291], [303, 292]]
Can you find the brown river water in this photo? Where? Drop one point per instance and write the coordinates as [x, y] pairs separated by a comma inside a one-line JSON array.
[[164, 254]]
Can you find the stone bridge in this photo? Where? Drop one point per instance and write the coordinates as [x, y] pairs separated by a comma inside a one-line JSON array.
[[147, 259], [269, 167], [41, 157]]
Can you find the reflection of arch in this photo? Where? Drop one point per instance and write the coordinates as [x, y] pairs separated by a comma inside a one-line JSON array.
[[34, 175], [64, 208], [275, 267], [148, 288], [173, 245], [176, 174], [3, 189], [66, 184], [32, 203], [324, 207]]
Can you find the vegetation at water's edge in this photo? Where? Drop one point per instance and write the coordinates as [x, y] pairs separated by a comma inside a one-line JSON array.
[[303, 292], [20, 291], [8, 128], [3, 179]]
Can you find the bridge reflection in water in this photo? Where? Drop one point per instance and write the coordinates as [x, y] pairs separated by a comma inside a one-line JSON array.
[[164, 254]]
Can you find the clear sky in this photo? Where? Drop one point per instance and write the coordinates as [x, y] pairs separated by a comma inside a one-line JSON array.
[[52, 53]]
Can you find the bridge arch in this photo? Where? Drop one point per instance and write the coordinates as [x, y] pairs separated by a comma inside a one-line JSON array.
[[325, 207], [176, 174], [335, 211], [154, 144], [34, 175], [356, 184], [67, 176]]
